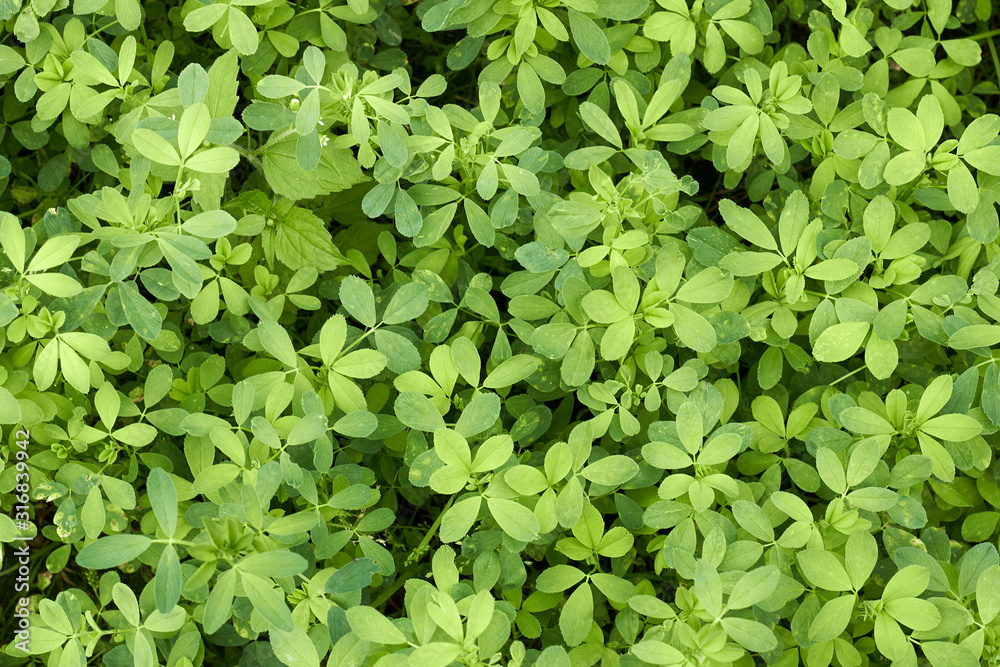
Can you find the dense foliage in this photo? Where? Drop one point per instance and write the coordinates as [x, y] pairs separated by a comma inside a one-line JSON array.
[[501, 332]]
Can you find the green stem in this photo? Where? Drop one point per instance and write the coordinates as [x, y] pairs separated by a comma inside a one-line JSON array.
[[984, 35], [405, 574], [275, 139], [360, 338], [854, 372], [993, 52], [249, 155]]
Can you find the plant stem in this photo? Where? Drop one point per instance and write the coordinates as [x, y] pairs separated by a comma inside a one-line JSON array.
[[408, 572], [993, 52], [249, 155], [854, 372], [984, 35]]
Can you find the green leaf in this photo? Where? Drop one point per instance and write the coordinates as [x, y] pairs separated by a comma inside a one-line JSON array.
[[823, 570], [452, 448], [840, 341], [55, 252], [693, 329], [10, 410], [10, 60], [267, 601], [458, 519], [988, 594], [302, 240], [577, 615], [141, 315], [168, 581], [753, 519], [360, 364], [493, 453], [416, 411], [590, 39], [163, 499], [946, 654], [125, 601], [864, 459], [511, 371], [558, 578], [193, 128], [277, 343], [962, 189], [754, 587], [307, 429], [294, 648], [935, 397], [984, 159], [873, 499], [12, 240], [337, 170], [975, 335], [55, 284], [407, 304], [751, 635], [832, 269], [357, 298], [242, 32], [747, 225], [598, 121], [574, 219], [92, 514], [708, 286], [657, 653], [831, 470], [370, 625], [112, 551], [210, 224], [832, 619], [955, 428], [219, 604], [218, 160], [905, 167], [276, 85], [352, 577], [273, 564], [979, 132], [612, 470], [479, 415], [514, 518], [155, 147]]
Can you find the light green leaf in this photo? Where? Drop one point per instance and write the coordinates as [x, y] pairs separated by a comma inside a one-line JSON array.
[[163, 499], [514, 518], [511, 371], [832, 619], [275, 340], [840, 341], [112, 551], [294, 648], [745, 223], [357, 298], [754, 587], [612, 470], [823, 569], [267, 601], [370, 625], [577, 615]]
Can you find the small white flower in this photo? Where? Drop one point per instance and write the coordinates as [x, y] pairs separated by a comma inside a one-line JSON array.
[[324, 140], [320, 121], [173, 116]]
